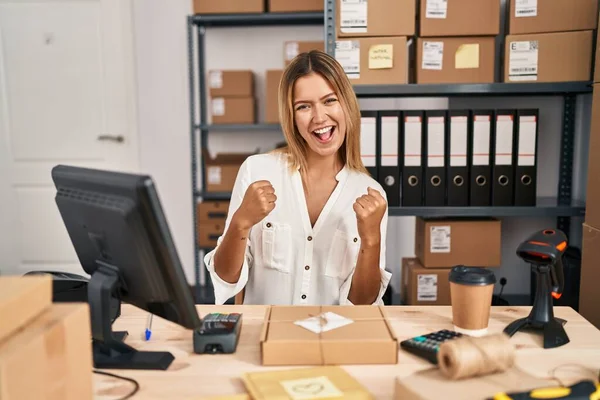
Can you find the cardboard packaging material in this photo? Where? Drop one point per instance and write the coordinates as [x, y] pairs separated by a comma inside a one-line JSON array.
[[459, 18], [296, 6], [592, 211], [212, 211], [589, 295], [22, 298], [209, 233], [424, 286], [375, 18], [597, 61], [228, 6], [548, 57], [552, 16], [374, 61], [272, 96], [292, 48], [222, 170], [233, 110], [305, 383], [455, 60], [344, 335], [51, 358], [445, 243], [231, 83]]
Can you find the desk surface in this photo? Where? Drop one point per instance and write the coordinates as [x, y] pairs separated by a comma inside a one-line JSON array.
[[195, 376]]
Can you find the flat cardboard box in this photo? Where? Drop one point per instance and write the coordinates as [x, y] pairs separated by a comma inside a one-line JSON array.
[[592, 211], [228, 6], [552, 16], [444, 243], [292, 48], [374, 61], [296, 6], [369, 339], [589, 295], [382, 18], [233, 110], [22, 298], [424, 286], [209, 233], [455, 60], [212, 211], [460, 18], [51, 358], [221, 171], [231, 83], [272, 95], [548, 57]]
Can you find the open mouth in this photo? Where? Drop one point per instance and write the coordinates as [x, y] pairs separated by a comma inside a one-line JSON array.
[[324, 135]]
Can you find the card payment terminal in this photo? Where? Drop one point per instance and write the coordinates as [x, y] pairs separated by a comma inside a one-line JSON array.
[[219, 333]]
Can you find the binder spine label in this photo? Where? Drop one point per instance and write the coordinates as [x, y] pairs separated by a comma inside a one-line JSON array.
[[481, 140], [347, 53], [353, 15], [504, 140], [412, 142], [458, 141], [435, 142], [527, 127], [367, 143], [389, 141]]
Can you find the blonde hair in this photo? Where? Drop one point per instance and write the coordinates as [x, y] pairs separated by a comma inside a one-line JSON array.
[[327, 67]]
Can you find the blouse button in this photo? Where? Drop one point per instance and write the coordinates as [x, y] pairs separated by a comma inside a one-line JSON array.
[[355, 240], [307, 268], [309, 238], [303, 296], [268, 225]]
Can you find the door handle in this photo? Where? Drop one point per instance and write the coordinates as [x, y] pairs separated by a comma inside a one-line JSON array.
[[118, 138]]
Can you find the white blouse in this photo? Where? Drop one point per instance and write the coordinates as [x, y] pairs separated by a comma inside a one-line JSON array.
[[287, 260]]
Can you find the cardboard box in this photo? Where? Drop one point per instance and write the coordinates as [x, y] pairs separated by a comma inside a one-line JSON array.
[[548, 57], [231, 83], [459, 18], [592, 211], [228, 6], [222, 170], [455, 60], [552, 16], [292, 48], [296, 6], [273, 78], [233, 110], [589, 295], [22, 298], [212, 211], [209, 233], [375, 18], [368, 339], [374, 61], [424, 286], [444, 243], [597, 61], [51, 358]]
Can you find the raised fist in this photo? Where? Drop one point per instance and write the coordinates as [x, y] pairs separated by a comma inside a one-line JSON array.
[[259, 201], [370, 209]]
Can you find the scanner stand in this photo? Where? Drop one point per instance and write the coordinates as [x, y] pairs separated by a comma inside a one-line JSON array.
[[109, 350], [541, 316]]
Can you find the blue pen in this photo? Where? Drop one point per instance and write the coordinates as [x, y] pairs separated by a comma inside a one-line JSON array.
[[149, 327]]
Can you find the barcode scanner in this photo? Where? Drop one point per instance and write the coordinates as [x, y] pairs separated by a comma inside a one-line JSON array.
[[543, 251]]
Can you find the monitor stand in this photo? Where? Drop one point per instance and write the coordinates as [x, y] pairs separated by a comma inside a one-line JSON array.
[[109, 350]]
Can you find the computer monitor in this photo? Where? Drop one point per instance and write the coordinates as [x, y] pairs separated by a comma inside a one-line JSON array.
[[122, 239]]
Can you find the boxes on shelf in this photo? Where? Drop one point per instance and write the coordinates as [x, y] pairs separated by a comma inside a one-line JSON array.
[[597, 61], [459, 18], [455, 60], [50, 357], [552, 16], [231, 83], [424, 286], [375, 18], [444, 243], [292, 48], [589, 295], [233, 110], [548, 57], [209, 232], [350, 335], [221, 171], [272, 95], [296, 6], [211, 222], [228, 6], [374, 61]]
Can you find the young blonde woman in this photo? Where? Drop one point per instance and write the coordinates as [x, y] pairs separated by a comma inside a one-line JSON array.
[[306, 223]]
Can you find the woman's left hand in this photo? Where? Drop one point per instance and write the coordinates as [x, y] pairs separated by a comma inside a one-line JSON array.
[[370, 209]]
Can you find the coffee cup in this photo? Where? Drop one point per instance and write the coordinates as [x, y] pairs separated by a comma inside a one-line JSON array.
[[471, 290]]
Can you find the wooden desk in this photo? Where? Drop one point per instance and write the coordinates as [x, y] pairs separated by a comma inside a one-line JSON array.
[[194, 376]]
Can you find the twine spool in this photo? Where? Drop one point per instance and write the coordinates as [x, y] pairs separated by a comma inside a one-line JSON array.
[[468, 357]]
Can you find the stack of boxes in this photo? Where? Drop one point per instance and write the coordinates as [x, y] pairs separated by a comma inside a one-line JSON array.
[[211, 216], [255, 6], [232, 96], [441, 244]]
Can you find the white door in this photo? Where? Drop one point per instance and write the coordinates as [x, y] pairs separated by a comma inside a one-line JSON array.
[[66, 97]]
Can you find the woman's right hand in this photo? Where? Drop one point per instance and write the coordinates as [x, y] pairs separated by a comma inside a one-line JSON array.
[[259, 201]]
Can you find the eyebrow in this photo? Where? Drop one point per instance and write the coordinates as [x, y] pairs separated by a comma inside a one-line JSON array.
[[306, 101]]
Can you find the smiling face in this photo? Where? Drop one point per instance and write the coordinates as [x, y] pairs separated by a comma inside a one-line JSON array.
[[319, 115]]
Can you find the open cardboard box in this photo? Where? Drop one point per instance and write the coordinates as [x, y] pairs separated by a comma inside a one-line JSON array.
[[368, 339]]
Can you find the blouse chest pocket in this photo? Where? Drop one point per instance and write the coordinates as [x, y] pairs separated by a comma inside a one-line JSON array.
[[276, 240], [343, 255]]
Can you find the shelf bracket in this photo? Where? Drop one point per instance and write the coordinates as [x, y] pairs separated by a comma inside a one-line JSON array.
[[330, 27], [567, 148]]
